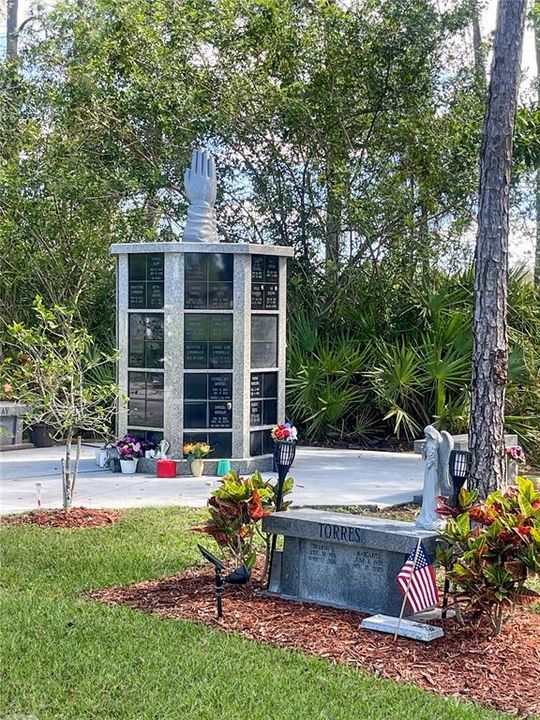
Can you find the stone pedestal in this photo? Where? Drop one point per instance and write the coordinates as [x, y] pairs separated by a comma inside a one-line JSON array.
[[201, 335], [461, 442], [342, 560], [11, 424]]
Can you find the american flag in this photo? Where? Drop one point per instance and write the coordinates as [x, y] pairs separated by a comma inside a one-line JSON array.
[[417, 581]]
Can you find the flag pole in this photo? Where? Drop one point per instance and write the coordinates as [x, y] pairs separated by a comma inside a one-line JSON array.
[[406, 594]]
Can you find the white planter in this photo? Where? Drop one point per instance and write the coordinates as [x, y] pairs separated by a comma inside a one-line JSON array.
[[197, 467], [129, 466]]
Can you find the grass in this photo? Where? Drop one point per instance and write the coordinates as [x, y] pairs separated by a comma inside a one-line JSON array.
[[65, 657]]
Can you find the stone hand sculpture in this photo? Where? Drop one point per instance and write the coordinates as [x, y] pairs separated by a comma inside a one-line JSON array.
[[200, 184], [436, 478]]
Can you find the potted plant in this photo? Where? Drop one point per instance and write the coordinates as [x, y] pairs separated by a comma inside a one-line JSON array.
[[129, 450], [195, 452]]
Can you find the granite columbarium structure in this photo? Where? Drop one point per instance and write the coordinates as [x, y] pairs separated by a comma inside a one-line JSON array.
[[201, 336]]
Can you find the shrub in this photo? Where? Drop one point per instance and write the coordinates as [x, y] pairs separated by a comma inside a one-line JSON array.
[[493, 548], [236, 510]]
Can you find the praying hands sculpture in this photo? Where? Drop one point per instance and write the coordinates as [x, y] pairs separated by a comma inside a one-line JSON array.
[[200, 184]]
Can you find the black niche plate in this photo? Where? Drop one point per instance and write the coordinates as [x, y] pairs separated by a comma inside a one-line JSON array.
[[220, 386]]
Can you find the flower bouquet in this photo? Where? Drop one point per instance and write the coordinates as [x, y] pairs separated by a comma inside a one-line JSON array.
[[129, 450], [514, 458], [285, 432], [195, 452]]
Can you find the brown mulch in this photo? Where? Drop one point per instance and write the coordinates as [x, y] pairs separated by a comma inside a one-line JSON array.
[[75, 518], [502, 672]]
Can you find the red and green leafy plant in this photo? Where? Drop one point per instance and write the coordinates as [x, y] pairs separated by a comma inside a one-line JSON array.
[[236, 509], [491, 550]]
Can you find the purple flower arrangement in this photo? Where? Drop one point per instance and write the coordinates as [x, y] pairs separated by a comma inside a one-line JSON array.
[[129, 448]]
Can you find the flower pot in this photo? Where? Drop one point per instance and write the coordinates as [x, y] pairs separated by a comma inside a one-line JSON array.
[[129, 466], [41, 436], [197, 467], [166, 468]]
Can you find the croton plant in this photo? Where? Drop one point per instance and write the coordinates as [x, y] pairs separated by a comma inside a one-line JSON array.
[[492, 548], [236, 509]]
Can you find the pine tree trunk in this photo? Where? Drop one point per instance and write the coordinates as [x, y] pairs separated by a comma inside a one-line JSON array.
[[477, 42], [490, 351], [537, 250], [11, 29]]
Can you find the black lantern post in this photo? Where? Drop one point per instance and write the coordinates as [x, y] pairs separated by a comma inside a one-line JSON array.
[[459, 466], [284, 452]]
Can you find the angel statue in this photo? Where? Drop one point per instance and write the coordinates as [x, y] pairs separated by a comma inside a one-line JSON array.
[[200, 184], [437, 482]]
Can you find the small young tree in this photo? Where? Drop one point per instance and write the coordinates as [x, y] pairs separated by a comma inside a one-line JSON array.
[[53, 368]]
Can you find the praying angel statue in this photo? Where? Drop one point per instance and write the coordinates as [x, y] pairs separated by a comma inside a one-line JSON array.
[[437, 482], [200, 184]]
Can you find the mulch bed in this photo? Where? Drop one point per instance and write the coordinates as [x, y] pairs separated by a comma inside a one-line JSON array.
[[503, 672], [75, 518]]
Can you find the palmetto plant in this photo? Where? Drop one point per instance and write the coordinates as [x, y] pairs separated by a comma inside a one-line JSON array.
[[360, 367], [397, 384]]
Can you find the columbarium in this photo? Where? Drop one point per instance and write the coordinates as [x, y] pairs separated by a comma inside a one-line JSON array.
[[201, 334]]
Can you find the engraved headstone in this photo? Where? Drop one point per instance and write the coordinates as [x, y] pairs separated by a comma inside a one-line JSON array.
[[341, 560]]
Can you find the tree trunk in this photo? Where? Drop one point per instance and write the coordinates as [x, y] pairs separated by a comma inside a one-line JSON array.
[[333, 224], [66, 475], [490, 351], [11, 29], [479, 60], [537, 249]]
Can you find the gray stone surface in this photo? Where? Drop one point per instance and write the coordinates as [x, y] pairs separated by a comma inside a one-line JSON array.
[[11, 422], [461, 442], [405, 628], [263, 463], [322, 477], [344, 560], [189, 247]]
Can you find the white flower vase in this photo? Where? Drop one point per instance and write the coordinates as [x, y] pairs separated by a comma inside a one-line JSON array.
[[129, 467], [197, 467]]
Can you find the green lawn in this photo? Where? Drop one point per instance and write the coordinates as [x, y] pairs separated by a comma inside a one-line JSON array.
[[66, 657]]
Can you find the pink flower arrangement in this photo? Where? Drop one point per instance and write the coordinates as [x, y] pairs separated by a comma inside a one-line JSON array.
[[516, 453], [129, 448]]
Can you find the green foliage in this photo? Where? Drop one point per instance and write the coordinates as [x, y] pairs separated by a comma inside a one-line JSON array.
[[52, 368], [326, 119], [381, 359], [236, 509], [493, 549]]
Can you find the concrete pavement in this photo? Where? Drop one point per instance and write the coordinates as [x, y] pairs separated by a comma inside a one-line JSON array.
[[322, 476]]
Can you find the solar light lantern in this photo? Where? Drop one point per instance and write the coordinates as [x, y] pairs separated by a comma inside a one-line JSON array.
[[284, 453], [459, 466], [240, 576]]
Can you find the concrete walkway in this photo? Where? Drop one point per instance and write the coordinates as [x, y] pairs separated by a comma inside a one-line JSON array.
[[322, 476]]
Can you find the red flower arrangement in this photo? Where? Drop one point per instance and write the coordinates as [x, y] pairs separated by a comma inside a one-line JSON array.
[[285, 432]]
